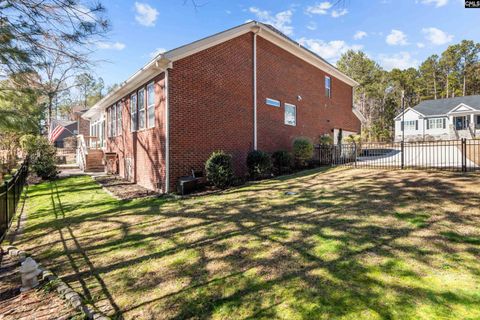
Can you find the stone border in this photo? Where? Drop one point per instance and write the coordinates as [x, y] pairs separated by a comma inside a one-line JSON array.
[[65, 292]]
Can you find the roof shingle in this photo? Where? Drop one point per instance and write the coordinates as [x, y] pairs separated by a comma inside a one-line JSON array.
[[443, 106]]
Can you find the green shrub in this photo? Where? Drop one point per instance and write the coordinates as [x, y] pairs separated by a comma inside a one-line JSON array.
[[219, 169], [353, 138], [258, 163], [41, 154], [325, 140], [302, 151], [282, 161]]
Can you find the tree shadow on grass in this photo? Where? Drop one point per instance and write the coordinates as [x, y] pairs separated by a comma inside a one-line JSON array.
[[347, 242]]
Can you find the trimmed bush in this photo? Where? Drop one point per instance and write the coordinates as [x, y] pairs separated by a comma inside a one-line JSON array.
[[219, 169], [302, 151], [259, 164], [353, 138], [41, 154], [282, 161], [325, 140]]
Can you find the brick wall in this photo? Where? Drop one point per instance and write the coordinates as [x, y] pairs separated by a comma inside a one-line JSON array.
[[284, 77], [144, 148], [83, 125], [211, 106]]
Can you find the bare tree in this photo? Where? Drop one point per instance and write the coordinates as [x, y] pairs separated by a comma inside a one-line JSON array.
[[33, 28]]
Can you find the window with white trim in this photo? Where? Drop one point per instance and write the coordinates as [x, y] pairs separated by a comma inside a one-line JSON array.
[[133, 113], [150, 105], [141, 109], [328, 87], [109, 122], [119, 118], [435, 123], [272, 102], [290, 114], [114, 120], [410, 125]]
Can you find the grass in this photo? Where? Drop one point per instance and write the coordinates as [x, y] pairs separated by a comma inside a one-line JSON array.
[[349, 244]]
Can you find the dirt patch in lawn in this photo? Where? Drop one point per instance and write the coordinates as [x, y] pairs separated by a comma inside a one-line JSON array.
[[124, 189], [34, 304]]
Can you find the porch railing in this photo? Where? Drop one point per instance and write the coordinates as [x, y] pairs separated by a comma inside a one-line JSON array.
[[85, 143]]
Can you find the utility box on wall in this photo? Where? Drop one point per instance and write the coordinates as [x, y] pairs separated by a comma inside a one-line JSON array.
[[111, 162]]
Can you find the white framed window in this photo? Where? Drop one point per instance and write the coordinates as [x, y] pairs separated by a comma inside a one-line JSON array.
[[133, 113], [141, 109], [290, 114], [435, 123], [114, 120], [151, 105], [119, 118], [410, 125], [272, 102], [109, 122], [328, 87]]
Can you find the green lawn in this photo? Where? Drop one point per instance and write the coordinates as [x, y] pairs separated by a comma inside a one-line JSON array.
[[350, 244]]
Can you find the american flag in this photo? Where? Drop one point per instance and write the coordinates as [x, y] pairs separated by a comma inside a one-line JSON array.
[[55, 133]]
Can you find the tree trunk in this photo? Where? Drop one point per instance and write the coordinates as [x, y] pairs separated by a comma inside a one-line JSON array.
[[50, 110], [464, 83], [435, 85], [447, 86]]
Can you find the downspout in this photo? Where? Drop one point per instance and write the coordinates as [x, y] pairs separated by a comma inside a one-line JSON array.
[[167, 133], [255, 137]]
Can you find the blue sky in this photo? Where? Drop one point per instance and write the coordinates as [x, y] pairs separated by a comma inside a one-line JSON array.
[[394, 33]]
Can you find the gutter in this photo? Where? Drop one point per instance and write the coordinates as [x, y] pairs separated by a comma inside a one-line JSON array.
[[255, 131], [167, 132]]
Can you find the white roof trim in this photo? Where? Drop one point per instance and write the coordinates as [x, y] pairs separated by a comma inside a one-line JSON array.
[[406, 110], [459, 106], [164, 60], [359, 115]]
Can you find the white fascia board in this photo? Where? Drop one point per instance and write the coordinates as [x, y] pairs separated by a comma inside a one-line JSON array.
[[359, 115], [406, 110], [459, 106], [302, 53], [200, 45], [164, 60]]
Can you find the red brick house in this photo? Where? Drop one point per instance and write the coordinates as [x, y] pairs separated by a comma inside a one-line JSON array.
[[249, 87]]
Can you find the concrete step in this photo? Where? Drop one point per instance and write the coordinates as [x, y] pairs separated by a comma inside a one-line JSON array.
[[94, 169]]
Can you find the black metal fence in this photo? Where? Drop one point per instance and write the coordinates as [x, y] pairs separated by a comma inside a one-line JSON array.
[[10, 193], [454, 155]]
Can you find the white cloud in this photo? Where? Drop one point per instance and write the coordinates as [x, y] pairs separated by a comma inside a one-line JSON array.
[[282, 20], [396, 38], [320, 8], [436, 36], [402, 60], [359, 35], [323, 8], [111, 45], [420, 45], [312, 26], [156, 52], [146, 15], [437, 3], [331, 50], [339, 13]]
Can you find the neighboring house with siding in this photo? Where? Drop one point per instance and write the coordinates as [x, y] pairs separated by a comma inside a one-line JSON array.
[[441, 119], [249, 87]]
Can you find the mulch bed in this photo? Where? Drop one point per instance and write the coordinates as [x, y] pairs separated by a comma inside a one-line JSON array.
[[33, 304], [123, 189]]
